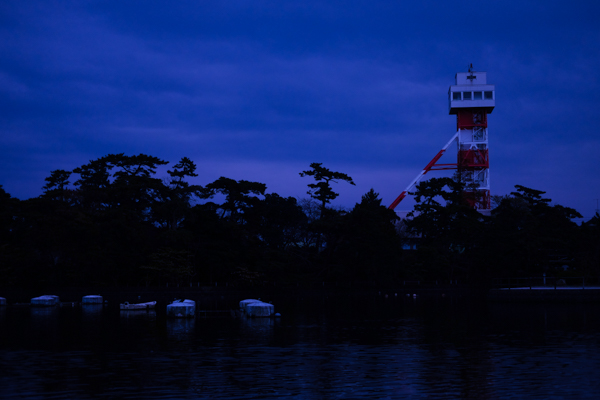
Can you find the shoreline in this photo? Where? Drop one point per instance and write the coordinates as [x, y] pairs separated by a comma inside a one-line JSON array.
[[215, 297]]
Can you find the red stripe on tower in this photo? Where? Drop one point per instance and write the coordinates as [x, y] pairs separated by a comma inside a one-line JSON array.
[[471, 100]]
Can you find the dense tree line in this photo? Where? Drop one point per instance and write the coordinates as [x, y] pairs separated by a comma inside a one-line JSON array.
[[524, 236], [112, 222]]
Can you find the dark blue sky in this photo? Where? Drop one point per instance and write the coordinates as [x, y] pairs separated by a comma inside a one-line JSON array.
[[258, 90]]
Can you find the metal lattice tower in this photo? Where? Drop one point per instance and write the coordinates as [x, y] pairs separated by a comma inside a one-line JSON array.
[[471, 99]]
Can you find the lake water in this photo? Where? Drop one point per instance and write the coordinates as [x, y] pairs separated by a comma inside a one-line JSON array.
[[325, 347]]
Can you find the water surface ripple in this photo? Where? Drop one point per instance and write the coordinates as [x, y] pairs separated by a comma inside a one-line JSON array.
[[376, 349]]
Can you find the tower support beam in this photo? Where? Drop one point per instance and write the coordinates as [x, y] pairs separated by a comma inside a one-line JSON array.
[[427, 168]]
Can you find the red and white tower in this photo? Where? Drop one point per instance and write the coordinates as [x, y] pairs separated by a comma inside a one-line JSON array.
[[471, 99]]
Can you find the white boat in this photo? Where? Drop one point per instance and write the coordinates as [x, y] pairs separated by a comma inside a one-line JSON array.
[[256, 308], [92, 300], [45, 301], [138, 306], [182, 309]]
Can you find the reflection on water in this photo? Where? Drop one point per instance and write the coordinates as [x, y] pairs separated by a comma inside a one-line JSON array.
[[395, 348], [257, 330], [45, 312], [92, 310], [145, 315], [181, 328]]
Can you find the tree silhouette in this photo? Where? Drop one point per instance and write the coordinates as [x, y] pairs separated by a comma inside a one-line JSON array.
[[321, 190]]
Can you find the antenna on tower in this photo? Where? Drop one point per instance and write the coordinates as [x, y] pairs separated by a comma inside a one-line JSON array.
[[470, 67]]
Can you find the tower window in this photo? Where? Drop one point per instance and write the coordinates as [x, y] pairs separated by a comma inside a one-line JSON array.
[[455, 95], [466, 95], [488, 95], [476, 95]]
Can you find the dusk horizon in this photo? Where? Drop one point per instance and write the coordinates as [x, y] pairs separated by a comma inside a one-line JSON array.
[[258, 91]]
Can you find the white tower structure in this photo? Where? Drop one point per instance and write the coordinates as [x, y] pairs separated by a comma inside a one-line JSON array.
[[471, 99]]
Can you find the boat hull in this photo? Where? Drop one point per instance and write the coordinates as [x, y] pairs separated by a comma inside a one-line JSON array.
[[137, 306]]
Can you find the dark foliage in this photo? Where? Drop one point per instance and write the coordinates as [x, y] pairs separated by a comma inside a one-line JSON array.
[[117, 224]]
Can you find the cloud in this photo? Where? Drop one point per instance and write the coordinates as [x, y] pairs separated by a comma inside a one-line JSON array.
[[268, 87]]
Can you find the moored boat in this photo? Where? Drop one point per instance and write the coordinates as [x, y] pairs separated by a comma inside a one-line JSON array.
[[92, 300], [138, 306], [257, 308], [45, 301], [182, 309]]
